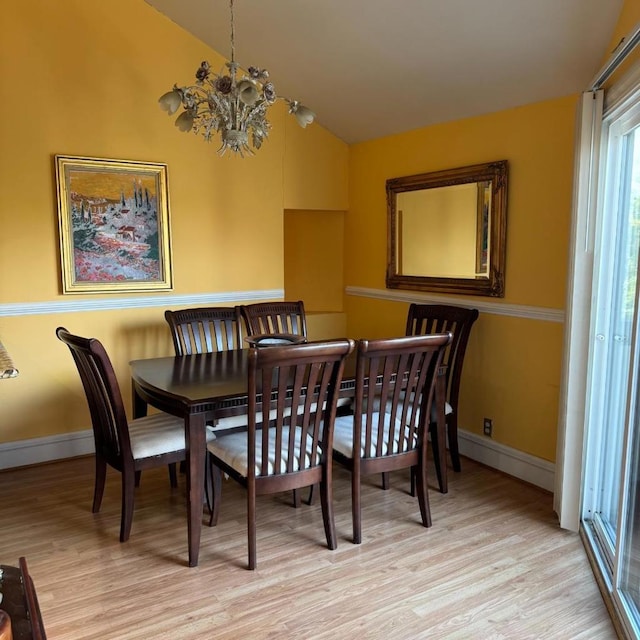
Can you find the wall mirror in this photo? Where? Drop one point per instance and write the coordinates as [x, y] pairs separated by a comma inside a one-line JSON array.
[[447, 230]]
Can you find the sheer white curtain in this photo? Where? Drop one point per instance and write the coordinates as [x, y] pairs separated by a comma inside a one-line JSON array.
[[569, 454]]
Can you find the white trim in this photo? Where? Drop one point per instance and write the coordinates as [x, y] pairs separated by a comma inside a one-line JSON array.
[[536, 471], [484, 306], [107, 304], [47, 449], [482, 449], [618, 96], [619, 55]]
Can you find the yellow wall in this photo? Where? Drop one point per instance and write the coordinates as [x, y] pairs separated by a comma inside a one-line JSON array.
[[313, 259], [315, 169], [83, 78], [512, 371]]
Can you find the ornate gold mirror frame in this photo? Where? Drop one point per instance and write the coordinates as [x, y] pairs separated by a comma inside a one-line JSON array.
[[447, 230]]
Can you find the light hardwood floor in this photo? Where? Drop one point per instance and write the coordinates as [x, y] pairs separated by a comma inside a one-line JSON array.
[[495, 564]]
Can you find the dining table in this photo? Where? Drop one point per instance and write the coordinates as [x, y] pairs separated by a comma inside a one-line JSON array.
[[202, 388]]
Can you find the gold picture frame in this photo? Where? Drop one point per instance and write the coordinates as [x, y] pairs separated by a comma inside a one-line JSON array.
[[113, 219]]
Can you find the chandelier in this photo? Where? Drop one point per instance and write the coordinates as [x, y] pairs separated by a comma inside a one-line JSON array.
[[7, 368], [231, 103]]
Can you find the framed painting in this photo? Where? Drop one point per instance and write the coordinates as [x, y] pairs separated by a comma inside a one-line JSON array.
[[113, 218], [483, 224]]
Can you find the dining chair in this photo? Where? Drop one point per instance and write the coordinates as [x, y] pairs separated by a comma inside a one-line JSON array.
[[279, 320], [275, 317], [291, 449], [204, 329], [438, 318], [207, 330], [394, 386], [128, 446]]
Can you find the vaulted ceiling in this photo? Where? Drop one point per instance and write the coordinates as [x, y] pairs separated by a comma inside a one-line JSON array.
[[371, 68]]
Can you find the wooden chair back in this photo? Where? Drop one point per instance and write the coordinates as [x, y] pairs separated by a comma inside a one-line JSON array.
[[275, 317], [424, 319], [395, 379], [108, 416], [205, 329], [306, 377]]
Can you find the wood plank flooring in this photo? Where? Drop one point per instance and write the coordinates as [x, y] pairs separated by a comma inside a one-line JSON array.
[[495, 565]]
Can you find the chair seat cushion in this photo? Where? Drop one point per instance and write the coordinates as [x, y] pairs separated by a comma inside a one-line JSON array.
[[343, 437], [232, 450], [157, 434]]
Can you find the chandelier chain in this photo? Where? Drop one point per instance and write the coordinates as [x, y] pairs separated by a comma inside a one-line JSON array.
[[233, 32]]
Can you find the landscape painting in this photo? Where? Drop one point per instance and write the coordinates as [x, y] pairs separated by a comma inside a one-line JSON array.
[[114, 225]]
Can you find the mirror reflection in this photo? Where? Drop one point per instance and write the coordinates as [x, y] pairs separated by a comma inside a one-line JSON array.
[[447, 230]]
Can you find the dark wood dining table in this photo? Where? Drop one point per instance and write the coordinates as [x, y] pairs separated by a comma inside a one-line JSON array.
[[204, 387]]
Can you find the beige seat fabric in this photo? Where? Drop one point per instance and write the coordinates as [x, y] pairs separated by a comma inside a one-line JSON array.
[[232, 449]]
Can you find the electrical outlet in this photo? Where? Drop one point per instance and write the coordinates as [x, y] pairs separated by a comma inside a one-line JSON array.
[[488, 427]]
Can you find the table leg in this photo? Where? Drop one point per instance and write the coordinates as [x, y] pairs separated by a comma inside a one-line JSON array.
[[139, 405], [196, 451]]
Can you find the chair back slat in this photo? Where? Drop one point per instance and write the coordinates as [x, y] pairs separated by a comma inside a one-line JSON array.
[[395, 378], [293, 393], [424, 319], [108, 417], [275, 317], [205, 329]]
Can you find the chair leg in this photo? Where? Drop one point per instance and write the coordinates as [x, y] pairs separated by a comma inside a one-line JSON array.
[[208, 483], [452, 434], [413, 482], [385, 480], [138, 477], [312, 494], [173, 477], [251, 525], [435, 447], [355, 508], [423, 494], [296, 498], [98, 488], [128, 493], [326, 499], [216, 492]]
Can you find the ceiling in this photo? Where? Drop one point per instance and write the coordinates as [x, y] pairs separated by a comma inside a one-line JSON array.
[[371, 68]]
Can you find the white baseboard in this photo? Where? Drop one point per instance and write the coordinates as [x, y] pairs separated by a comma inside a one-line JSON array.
[[26, 452], [536, 471], [511, 461]]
